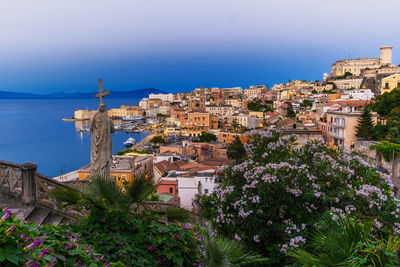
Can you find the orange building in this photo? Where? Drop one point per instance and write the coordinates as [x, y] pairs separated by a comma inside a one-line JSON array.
[[123, 168], [226, 137], [198, 119]]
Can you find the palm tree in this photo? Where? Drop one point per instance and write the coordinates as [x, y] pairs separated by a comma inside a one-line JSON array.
[[107, 194], [332, 243], [224, 252]]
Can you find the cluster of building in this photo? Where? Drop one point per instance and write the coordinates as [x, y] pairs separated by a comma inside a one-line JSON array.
[[328, 109]]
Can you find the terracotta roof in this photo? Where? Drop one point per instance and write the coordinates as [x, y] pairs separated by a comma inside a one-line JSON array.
[[349, 103]]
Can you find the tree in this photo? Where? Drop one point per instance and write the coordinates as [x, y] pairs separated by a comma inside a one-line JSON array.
[[365, 127], [394, 117], [207, 137], [386, 102], [236, 150], [306, 103], [235, 125], [314, 91], [289, 111], [258, 105], [157, 139]]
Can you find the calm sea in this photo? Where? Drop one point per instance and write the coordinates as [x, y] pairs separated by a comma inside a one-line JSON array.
[[33, 130]]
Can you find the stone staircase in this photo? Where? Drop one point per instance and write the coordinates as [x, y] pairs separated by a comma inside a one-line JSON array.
[[39, 214], [27, 195]]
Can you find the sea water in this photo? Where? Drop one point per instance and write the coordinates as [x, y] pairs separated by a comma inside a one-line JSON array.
[[33, 131]]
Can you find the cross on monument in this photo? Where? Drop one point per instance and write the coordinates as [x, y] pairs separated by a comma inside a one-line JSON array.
[[101, 93]]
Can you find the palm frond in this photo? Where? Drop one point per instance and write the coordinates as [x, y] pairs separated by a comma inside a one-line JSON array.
[[102, 187], [332, 243], [140, 188], [68, 195], [220, 251]]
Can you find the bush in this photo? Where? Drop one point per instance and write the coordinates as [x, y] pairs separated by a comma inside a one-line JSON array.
[[31, 245], [117, 228], [272, 198]]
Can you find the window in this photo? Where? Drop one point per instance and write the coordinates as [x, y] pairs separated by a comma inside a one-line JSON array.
[[398, 84], [206, 191], [386, 85], [171, 190], [123, 176]]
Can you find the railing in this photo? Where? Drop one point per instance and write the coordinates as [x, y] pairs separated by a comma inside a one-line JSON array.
[[16, 181], [23, 183], [44, 185]]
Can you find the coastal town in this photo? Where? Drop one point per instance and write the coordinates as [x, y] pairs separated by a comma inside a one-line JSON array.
[[192, 134], [199, 133]]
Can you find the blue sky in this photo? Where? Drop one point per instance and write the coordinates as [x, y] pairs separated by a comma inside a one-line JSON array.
[[177, 45]]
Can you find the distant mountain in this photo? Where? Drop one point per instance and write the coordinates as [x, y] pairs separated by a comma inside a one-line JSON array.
[[140, 93]]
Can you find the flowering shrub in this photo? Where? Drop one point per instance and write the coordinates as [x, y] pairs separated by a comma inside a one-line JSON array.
[[272, 198], [31, 245], [140, 241], [136, 242]]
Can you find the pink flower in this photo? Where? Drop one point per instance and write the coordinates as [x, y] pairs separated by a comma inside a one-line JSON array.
[[44, 252], [256, 239], [35, 243], [10, 230], [6, 215]]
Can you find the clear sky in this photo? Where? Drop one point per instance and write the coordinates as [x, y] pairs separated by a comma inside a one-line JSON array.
[[177, 45]]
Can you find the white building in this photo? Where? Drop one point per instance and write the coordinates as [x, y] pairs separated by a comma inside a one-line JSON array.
[[164, 97], [362, 94], [143, 103], [163, 110], [152, 112], [220, 110], [189, 186], [245, 120]]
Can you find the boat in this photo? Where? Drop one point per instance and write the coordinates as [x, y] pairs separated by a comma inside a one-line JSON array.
[[130, 142], [83, 129]]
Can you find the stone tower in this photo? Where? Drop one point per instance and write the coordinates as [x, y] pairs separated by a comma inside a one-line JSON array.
[[202, 99], [386, 55]]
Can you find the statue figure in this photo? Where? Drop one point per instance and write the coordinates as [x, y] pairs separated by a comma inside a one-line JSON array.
[[101, 146]]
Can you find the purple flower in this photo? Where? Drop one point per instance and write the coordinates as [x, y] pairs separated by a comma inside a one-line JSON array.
[[256, 239], [51, 264], [6, 215], [10, 230], [31, 263], [106, 264], [68, 233], [35, 243], [150, 248], [44, 252], [22, 235], [68, 246]]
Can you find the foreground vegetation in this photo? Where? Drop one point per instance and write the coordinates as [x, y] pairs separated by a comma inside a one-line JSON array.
[[308, 206], [116, 230], [274, 197]]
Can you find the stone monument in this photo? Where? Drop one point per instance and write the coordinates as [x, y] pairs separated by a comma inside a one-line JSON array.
[[101, 144]]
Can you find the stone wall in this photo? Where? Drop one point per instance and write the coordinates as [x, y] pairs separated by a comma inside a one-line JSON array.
[[375, 158]]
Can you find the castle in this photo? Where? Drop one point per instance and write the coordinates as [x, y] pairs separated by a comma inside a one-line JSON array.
[[364, 73]]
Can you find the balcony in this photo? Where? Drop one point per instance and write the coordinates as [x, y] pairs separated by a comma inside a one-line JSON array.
[[337, 125], [337, 136]]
